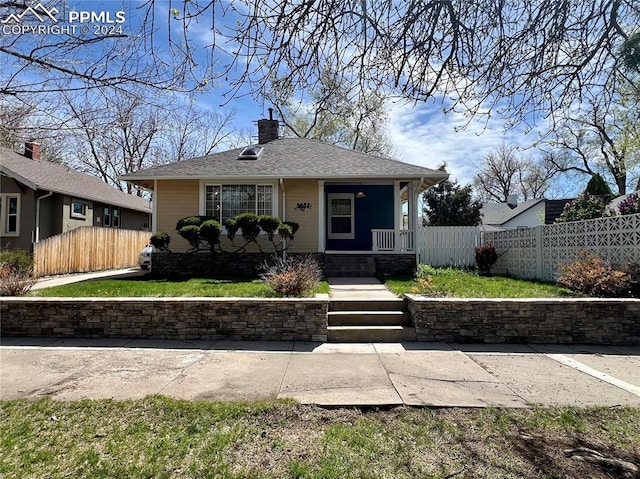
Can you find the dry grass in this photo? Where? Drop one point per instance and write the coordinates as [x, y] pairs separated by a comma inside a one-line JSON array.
[[160, 437]]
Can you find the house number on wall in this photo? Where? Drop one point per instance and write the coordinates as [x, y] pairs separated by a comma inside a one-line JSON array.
[[303, 206]]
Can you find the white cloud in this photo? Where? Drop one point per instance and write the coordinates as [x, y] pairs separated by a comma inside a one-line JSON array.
[[423, 135]]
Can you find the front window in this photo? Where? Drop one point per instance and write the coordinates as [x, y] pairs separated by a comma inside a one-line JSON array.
[[226, 201], [10, 215], [106, 216], [341, 217]]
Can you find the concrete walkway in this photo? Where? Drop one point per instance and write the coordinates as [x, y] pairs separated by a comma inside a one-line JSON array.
[[358, 289], [389, 374], [49, 281]]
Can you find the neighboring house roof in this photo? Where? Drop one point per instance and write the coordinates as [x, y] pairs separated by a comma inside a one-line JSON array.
[[290, 158], [554, 208], [500, 213], [45, 175]]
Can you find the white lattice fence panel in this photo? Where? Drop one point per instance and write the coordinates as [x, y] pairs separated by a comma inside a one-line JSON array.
[[518, 252], [616, 239]]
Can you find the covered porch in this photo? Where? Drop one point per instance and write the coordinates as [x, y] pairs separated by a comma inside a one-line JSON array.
[[368, 217]]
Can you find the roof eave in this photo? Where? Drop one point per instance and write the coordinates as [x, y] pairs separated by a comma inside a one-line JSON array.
[[12, 174], [436, 177]]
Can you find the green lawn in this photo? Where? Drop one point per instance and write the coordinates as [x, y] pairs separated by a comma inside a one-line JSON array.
[[146, 286], [164, 438], [467, 284]]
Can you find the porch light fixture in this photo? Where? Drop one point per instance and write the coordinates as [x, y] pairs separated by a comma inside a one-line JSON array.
[[361, 194]]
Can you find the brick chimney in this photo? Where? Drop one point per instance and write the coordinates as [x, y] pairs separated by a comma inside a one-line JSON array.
[[32, 150], [268, 129]]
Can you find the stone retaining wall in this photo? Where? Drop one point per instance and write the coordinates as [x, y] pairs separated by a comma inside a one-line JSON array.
[[263, 319], [566, 321]]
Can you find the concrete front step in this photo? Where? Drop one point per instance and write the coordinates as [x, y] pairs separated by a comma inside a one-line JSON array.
[[370, 334], [368, 318], [395, 304]]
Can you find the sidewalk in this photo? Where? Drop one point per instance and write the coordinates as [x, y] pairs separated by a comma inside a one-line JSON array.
[[326, 374]]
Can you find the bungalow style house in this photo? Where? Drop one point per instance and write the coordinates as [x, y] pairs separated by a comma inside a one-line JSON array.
[[39, 199], [349, 204]]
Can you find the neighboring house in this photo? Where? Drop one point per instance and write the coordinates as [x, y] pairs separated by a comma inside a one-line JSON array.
[[345, 201], [501, 216], [39, 199]]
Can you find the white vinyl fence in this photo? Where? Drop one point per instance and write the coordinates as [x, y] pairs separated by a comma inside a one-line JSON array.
[[448, 245], [537, 253]]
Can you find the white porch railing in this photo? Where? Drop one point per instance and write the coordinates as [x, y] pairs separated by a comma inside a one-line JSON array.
[[392, 240]]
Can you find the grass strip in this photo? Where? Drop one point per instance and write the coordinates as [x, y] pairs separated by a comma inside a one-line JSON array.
[[166, 438], [144, 286], [467, 284]]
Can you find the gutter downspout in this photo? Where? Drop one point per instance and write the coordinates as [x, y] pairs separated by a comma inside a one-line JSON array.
[[284, 200], [38, 214]]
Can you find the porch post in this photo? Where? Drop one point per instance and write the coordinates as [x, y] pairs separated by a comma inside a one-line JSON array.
[[411, 206], [414, 224], [321, 217], [397, 215]]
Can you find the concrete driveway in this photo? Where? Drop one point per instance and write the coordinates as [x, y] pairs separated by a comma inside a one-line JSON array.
[[381, 374]]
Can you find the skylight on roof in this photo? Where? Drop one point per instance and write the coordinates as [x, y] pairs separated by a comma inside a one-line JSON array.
[[250, 153]]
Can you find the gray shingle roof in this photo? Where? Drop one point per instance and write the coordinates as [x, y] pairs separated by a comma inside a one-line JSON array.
[[500, 213], [290, 158], [49, 176]]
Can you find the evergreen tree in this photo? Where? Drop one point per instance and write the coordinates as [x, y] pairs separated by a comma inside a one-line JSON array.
[[449, 204]]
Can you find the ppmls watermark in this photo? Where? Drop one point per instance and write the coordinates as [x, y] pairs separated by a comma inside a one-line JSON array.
[[40, 20]]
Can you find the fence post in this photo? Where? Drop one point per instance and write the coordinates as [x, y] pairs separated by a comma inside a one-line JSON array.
[[539, 249]]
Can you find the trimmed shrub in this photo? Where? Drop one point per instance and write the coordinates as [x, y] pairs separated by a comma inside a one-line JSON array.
[[232, 227], [293, 225], [292, 277], [269, 225], [249, 226], [210, 231], [486, 257], [285, 231], [190, 221], [160, 241], [192, 234], [592, 276]]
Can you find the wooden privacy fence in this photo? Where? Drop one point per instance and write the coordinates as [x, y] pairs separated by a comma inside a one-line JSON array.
[[88, 248], [448, 245]]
